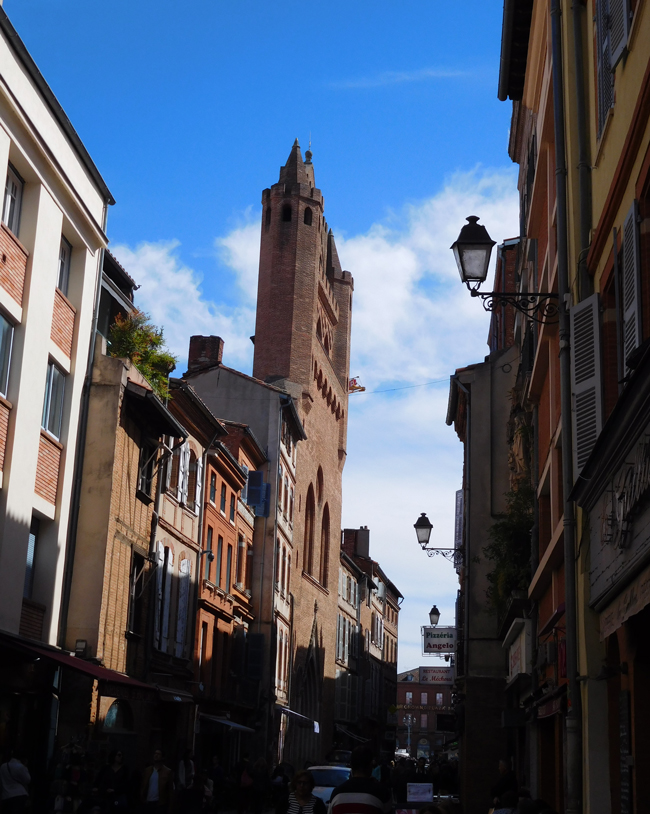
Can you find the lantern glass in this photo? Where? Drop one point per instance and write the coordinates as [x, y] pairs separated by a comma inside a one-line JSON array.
[[434, 615], [472, 251], [423, 529]]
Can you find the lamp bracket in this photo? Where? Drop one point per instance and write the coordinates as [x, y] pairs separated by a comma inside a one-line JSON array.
[[454, 555], [541, 306]]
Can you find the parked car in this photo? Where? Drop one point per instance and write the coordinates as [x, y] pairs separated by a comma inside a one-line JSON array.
[[339, 757], [327, 778]]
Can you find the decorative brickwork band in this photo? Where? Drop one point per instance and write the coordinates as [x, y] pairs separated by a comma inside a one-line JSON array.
[[63, 323], [5, 410], [13, 264], [47, 471]]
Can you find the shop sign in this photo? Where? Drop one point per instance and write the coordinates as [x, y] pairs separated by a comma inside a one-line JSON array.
[[518, 640], [631, 601], [553, 707], [628, 489], [437, 675], [438, 640]]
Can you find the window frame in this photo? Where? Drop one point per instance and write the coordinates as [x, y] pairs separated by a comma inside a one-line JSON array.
[[5, 353], [46, 418], [63, 276], [13, 216]]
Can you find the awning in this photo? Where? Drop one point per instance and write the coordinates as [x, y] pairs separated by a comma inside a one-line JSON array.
[[217, 719], [151, 410], [74, 663], [302, 719], [175, 696]]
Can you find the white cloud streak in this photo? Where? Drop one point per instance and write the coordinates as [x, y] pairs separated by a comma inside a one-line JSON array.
[[413, 322], [388, 78]]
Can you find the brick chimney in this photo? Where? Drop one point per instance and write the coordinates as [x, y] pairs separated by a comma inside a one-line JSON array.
[[205, 352]]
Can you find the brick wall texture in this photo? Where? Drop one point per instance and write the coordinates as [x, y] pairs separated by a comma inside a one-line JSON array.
[[47, 470], [63, 323], [31, 620], [13, 264], [4, 427]]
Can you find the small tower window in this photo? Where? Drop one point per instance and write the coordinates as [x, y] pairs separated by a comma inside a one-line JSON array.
[[267, 217], [286, 213], [308, 216]]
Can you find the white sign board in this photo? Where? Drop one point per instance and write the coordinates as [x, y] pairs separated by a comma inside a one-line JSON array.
[[436, 675], [438, 640], [419, 792]]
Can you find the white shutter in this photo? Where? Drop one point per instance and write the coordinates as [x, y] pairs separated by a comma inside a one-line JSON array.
[[183, 600], [619, 28], [198, 499], [632, 330], [160, 564], [585, 379], [168, 465], [166, 601], [346, 640], [183, 472]]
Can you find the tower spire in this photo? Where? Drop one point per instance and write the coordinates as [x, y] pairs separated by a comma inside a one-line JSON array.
[[294, 171]]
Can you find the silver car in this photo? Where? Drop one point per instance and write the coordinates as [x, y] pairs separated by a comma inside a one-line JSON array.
[[327, 778]]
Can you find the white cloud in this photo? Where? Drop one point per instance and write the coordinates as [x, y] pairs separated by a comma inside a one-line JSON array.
[[398, 78], [413, 322]]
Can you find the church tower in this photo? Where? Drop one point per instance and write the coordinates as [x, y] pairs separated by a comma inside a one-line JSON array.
[[302, 343]]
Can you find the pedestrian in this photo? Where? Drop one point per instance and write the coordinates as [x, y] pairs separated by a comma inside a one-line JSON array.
[[301, 798], [15, 780], [507, 781], [157, 785], [279, 789], [216, 775], [361, 789], [507, 803], [113, 783], [185, 778], [244, 783]]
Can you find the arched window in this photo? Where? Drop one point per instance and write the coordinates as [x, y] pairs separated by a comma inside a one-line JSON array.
[[267, 217], [325, 547], [277, 563], [308, 216], [319, 485], [283, 576], [286, 213], [310, 516], [119, 716], [319, 330]]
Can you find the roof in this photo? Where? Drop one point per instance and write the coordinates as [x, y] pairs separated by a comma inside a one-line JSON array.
[[249, 433], [18, 47], [517, 16], [219, 447], [118, 274], [212, 427], [150, 408]]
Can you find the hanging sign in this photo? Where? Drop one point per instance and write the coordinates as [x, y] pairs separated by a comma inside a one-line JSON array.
[[438, 640], [437, 675]]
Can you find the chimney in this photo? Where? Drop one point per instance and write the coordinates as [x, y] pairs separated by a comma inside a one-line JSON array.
[[357, 541], [205, 352]]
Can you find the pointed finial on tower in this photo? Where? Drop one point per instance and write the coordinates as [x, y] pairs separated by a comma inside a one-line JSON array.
[[295, 144], [309, 153]]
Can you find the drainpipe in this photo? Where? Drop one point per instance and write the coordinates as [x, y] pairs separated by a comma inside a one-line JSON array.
[[466, 509], [73, 521], [574, 712], [584, 163]]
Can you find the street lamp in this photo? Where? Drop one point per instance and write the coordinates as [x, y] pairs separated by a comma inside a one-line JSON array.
[[472, 251], [423, 529], [434, 616]]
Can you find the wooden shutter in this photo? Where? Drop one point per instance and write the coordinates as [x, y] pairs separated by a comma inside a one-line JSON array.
[[198, 502], [604, 63], [632, 330], [183, 599], [255, 487], [585, 379], [183, 472], [619, 28], [160, 564], [169, 462], [166, 601]]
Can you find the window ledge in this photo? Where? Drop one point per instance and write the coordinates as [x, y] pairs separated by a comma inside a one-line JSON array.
[[49, 437], [6, 403], [144, 497]]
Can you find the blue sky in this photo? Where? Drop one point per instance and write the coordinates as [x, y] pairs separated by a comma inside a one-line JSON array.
[[189, 109]]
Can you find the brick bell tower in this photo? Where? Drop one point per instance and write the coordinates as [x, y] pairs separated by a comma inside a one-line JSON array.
[[302, 343]]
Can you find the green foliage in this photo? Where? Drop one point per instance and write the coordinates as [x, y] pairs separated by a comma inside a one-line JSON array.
[[133, 337], [509, 548]]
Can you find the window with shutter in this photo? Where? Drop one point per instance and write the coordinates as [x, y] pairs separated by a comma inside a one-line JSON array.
[[166, 598], [604, 63], [586, 378], [631, 277], [160, 567], [183, 472], [619, 28], [183, 598], [199, 484]]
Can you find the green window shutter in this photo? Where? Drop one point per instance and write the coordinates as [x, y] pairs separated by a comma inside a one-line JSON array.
[[586, 379], [632, 330]]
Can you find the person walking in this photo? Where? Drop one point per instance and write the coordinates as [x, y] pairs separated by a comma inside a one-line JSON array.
[[361, 789], [157, 785], [301, 798], [185, 774], [113, 783], [14, 780], [507, 781]]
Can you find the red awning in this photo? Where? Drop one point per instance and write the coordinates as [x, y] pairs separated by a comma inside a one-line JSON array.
[[94, 670]]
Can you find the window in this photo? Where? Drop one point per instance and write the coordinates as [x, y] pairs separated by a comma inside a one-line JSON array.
[[423, 698], [424, 720], [146, 467], [439, 701], [31, 557], [291, 505], [278, 549], [310, 511], [213, 488], [286, 213], [203, 647], [219, 559], [53, 404], [285, 506], [229, 570], [325, 547], [283, 575], [267, 217], [6, 342], [119, 716], [244, 491], [182, 606], [249, 566], [164, 579], [194, 478], [409, 698], [241, 557], [64, 266], [232, 507], [208, 545], [223, 498], [280, 482], [308, 216], [13, 199]]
